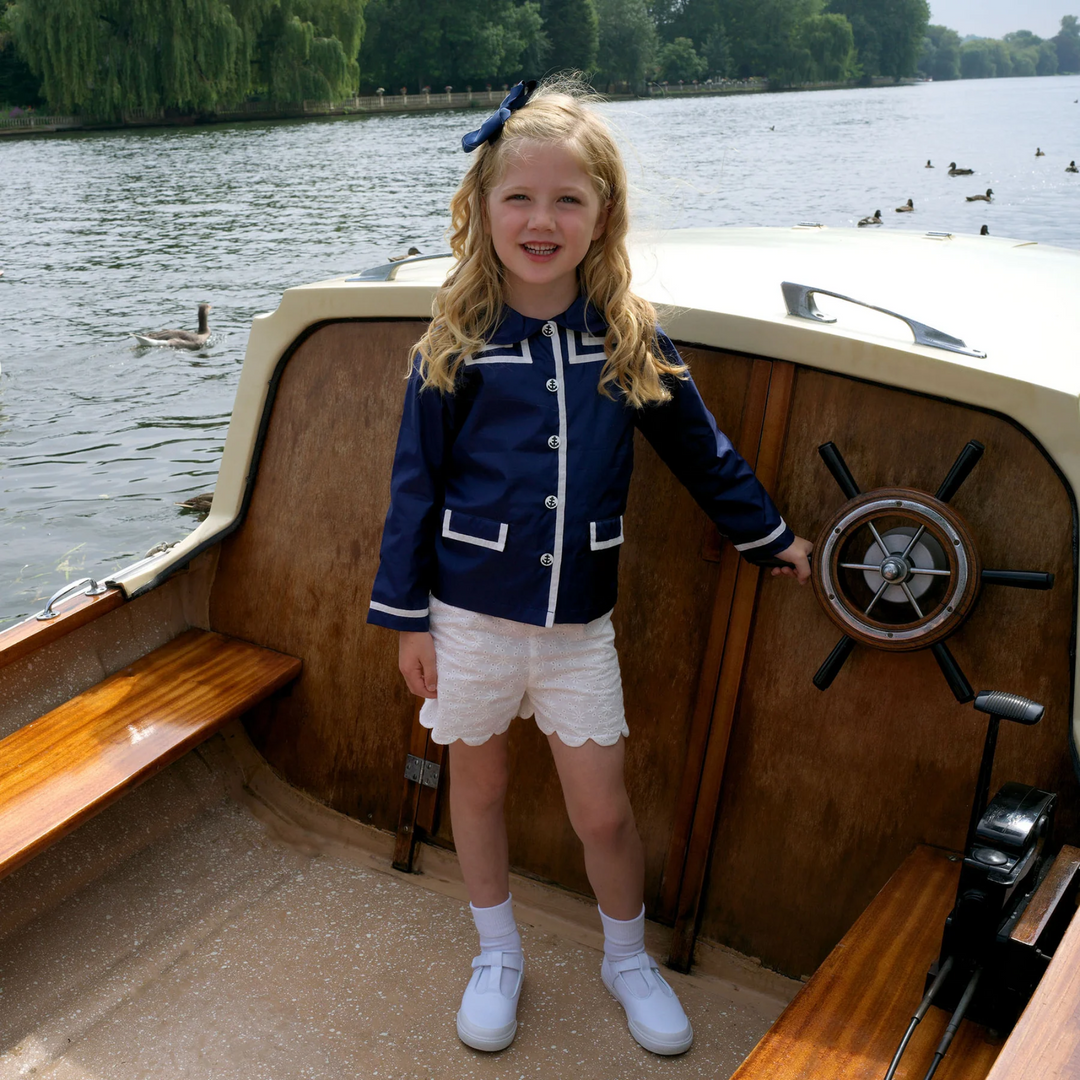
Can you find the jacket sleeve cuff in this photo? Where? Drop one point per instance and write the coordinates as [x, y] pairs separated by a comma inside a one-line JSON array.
[[397, 618], [761, 550]]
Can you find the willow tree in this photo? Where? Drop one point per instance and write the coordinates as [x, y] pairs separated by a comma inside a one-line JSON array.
[[307, 49], [101, 57], [104, 57]]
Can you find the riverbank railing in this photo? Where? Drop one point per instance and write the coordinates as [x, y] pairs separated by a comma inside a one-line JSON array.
[[32, 121], [379, 102]]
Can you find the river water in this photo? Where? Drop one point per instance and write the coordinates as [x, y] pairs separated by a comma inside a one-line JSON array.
[[106, 233]]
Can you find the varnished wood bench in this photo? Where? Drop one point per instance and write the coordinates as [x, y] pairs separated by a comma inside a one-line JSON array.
[[64, 767], [1045, 1044], [846, 1023]]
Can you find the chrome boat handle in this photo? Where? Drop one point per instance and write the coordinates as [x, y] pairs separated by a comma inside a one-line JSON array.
[[388, 271], [800, 303], [94, 589]]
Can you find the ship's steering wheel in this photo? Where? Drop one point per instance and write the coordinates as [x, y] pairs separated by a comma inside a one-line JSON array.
[[898, 569]]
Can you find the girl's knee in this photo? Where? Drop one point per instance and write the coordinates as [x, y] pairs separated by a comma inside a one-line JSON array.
[[604, 824]]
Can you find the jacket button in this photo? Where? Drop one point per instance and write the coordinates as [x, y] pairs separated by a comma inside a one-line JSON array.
[[546, 559], [549, 329], [551, 502], [553, 442], [552, 385]]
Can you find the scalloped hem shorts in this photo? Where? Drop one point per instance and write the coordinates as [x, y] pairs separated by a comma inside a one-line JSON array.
[[491, 670]]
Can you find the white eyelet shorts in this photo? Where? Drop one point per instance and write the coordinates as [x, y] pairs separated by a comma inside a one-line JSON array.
[[491, 670]]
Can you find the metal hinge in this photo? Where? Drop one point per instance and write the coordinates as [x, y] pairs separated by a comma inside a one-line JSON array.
[[421, 771]]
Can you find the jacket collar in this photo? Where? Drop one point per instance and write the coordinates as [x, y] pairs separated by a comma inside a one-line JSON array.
[[514, 327]]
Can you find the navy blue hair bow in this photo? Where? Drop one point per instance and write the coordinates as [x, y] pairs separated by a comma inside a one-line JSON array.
[[492, 127]]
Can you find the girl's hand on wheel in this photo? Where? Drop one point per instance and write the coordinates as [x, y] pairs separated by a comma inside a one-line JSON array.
[[798, 554]]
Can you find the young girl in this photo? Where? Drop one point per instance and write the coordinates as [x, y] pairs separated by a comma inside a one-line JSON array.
[[500, 550]]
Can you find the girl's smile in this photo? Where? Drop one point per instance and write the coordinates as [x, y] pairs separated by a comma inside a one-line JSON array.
[[542, 217]]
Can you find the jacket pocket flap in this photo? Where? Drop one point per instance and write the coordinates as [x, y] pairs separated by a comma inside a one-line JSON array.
[[605, 534], [474, 530]]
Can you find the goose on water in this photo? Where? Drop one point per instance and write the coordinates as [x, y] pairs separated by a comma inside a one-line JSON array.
[[875, 220], [985, 230], [906, 209], [1038, 152], [180, 339], [408, 255], [954, 171], [981, 198], [928, 165], [1071, 167]]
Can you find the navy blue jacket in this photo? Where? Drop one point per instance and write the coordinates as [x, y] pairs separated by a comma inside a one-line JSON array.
[[507, 496]]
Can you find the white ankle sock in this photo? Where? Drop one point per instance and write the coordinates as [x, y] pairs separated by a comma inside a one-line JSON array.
[[498, 932], [624, 939]]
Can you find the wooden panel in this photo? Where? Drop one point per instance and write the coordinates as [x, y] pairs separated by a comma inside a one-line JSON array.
[[766, 461], [1053, 891], [849, 1018], [825, 793], [662, 619], [714, 548], [72, 762], [30, 635], [297, 575], [1045, 1044]]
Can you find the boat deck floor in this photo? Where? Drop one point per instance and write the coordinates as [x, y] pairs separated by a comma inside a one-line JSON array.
[[214, 923]]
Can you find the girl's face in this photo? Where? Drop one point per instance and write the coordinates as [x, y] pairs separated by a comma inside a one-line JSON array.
[[542, 216]]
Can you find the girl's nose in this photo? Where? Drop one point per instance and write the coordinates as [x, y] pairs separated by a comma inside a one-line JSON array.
[[542, 217]]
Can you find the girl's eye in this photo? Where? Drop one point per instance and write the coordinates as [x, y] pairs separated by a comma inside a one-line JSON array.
[[569, 198]]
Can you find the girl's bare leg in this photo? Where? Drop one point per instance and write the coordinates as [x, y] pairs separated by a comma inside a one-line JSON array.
[[599, 809], [478, 781]]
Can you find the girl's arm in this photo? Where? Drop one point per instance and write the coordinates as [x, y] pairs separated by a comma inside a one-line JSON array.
[[684, 434], [399, 597]]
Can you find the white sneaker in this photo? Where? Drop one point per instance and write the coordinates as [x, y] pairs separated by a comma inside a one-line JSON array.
[[653, 1013], [487, 1019]]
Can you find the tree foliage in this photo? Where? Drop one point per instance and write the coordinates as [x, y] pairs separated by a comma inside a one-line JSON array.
[[829, 42], [1020, 53], [103, 57], [573, 28], [940, 55], [679, 62], [888, 33], [18, 84], [1067, 44], [761, 33], [437, 43], [627, 43]]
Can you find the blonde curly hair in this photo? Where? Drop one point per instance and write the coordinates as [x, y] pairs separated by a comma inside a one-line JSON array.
[[468, 304]]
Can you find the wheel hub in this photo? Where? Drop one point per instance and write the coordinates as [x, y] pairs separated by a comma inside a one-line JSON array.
[[895, 569]]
